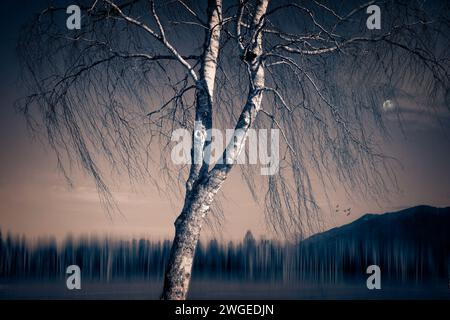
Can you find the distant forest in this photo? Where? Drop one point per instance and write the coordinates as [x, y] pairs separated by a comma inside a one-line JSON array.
[[329, 257]]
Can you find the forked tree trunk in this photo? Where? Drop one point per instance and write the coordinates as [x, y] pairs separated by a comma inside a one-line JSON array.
[[198, 195], [202, 186], [198, 202]]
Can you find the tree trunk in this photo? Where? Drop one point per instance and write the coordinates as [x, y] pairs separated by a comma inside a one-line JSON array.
[[198, 195], [187, 232], [201, 186], [179, 267]]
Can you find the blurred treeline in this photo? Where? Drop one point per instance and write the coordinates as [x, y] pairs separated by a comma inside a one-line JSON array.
[[320, 260], [107, 259]]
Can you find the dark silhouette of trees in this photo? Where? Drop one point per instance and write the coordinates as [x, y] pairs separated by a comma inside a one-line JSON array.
[[410, 247]]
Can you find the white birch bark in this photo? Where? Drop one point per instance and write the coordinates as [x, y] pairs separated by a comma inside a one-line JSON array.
[[202, 186], [188, 223], [205, 94]]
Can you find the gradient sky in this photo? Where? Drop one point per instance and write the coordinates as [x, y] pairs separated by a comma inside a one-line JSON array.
[[35, 199]]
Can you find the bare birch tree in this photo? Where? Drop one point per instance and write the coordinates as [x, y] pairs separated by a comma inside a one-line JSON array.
[[111, 93]]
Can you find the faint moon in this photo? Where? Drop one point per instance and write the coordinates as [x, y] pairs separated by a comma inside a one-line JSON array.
[[388, 105]]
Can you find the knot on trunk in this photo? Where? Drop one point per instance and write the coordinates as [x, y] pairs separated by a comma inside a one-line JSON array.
[[249, 56]]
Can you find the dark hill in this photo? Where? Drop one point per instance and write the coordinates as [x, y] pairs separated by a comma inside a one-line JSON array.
[[413, 243], [416, 224]]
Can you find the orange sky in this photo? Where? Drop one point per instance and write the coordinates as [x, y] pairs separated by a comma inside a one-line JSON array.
[[35, 199]]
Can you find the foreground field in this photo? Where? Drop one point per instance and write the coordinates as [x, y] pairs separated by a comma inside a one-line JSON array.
[[212, 289]]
